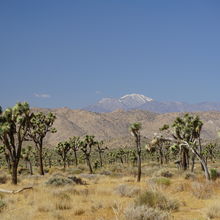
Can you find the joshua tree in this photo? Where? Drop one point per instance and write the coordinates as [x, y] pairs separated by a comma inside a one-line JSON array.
[[27, 155], [62, 149], [101, 150], [187, 132], [14, 124], [135, 131], [86, 147], [119, 154], [75, 144], [41, 124]]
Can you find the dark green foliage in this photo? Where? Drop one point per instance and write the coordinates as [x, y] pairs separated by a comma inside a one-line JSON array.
[[213, 174], [14, 125], [63, 149], [41, 124]]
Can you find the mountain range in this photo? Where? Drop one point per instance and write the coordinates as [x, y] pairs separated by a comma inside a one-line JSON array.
[[113, 127], [141, 102]]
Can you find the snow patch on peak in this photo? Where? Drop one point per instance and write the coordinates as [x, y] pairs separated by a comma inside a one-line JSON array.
[[134, 100], [137, 97]]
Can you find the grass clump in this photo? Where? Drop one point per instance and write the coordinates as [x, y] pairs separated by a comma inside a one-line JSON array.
[[127, 191], [63, 201], [190, 176], [213, 211], [2, 205], [156, 200], [145, 213], [201, 190], [79, 211]]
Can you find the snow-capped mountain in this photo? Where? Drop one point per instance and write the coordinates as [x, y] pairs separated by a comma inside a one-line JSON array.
[[137, 101], [130, 101], [134, 100]]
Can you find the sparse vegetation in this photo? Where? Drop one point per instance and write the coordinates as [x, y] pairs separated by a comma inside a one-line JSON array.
[[91, 181]]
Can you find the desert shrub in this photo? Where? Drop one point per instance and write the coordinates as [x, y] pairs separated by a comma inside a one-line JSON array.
[[44, 208], [201, 190], [145, 213], [3, 179], [126, 190], [164, 173], [213, 174], [63, 201], [156, 200], [77, 180], [160, 181], [2, 205], [190, 176], [213, 211], [59, 181], [63, 205]]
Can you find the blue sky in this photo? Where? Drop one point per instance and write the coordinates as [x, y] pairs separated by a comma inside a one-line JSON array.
[[73, 53]]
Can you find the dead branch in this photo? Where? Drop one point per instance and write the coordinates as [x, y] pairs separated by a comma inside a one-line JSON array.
[[16, 191]]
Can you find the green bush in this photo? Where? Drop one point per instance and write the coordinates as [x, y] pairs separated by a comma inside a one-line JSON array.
[[213, 174], [156, 200], [59, 181], [160, 181]]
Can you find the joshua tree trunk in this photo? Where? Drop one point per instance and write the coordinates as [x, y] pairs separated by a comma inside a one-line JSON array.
[[161, 155], [41, 161], [8, 161], [193, 162], [100, 158], [89, 164], [138, 156], [76, 160], [184, 158], [202, 161], [64, 163], [14, 172]]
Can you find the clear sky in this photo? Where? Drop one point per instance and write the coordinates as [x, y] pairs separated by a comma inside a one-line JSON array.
[[56, 53]]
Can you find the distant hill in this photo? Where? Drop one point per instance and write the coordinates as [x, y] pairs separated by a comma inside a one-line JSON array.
[[113, 127], [141, 102]]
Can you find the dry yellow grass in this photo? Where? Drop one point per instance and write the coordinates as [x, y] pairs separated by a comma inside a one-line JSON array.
[[97, 200]]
